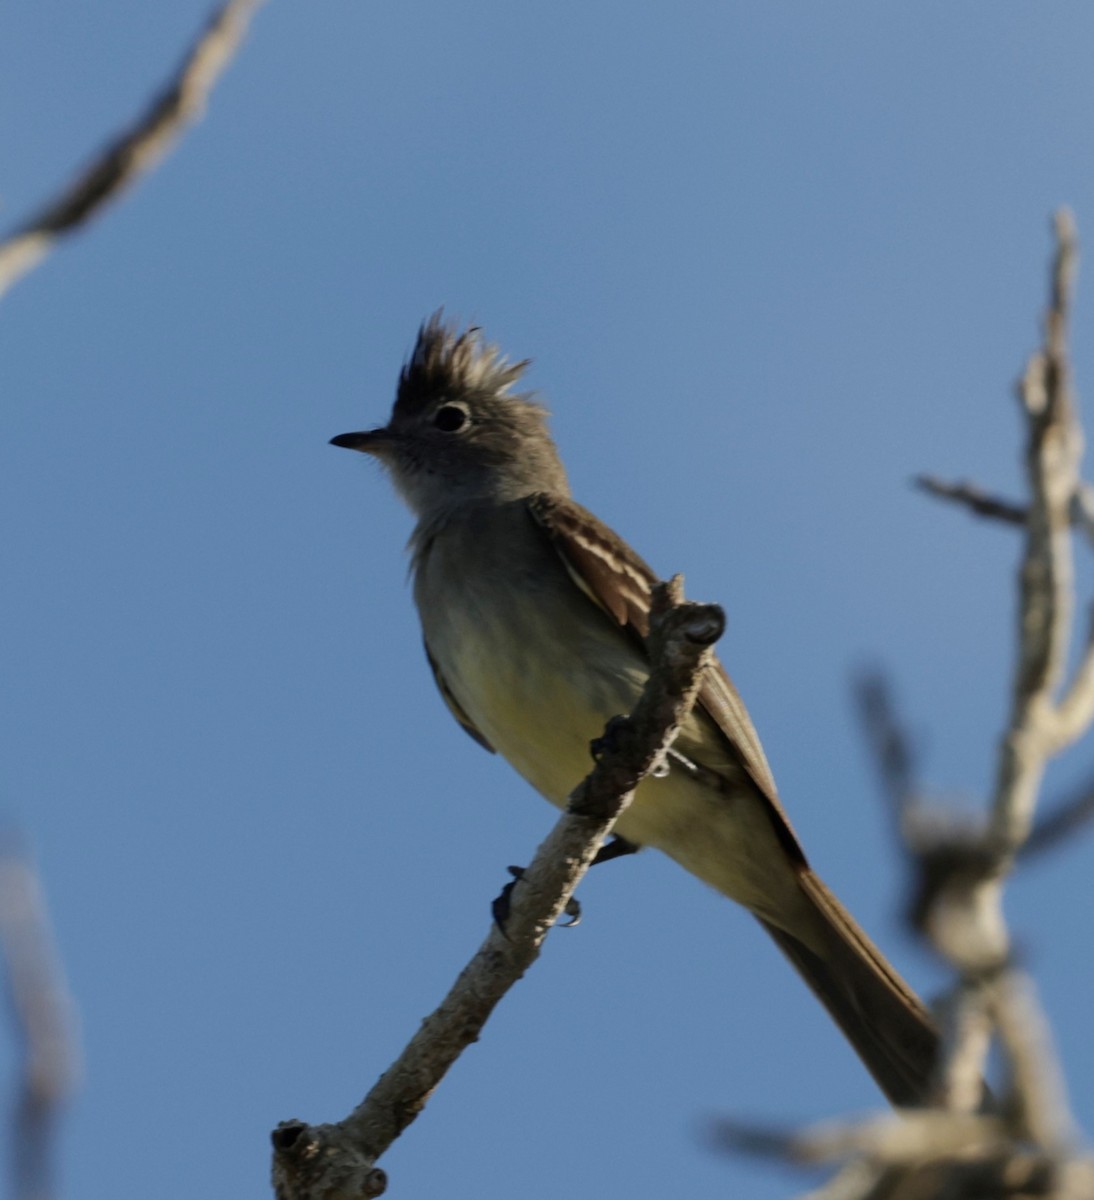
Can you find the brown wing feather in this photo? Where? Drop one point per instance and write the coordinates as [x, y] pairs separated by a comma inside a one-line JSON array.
[[877, 1011], [617, 579]]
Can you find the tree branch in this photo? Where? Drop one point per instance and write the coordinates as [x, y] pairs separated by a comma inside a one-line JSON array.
[[1054, 449], [1026, 1146], [137, 150], [974, 498], [42, 1017], [325, 1161], [1066, 818]]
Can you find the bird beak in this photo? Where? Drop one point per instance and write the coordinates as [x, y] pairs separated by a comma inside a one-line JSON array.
[[370, 441]]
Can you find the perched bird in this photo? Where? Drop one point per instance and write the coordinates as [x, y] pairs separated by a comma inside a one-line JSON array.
[[534, 615]]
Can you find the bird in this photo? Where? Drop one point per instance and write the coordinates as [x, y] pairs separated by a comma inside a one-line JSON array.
[[534, 615]]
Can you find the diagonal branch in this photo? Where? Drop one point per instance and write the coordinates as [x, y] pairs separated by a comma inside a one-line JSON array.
[[974, 498], [1057, 826], [135, 151], [317, 1162], [891, 749]]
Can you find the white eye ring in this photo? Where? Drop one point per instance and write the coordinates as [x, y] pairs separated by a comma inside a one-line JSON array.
[[451, 417]]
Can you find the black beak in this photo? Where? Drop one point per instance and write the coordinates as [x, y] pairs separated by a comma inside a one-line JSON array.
[[368, 441]]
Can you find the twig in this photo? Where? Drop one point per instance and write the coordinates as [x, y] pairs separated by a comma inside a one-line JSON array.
[[854, 1181], [982, 503], [966, 1022], [944, 852], [920, 1155], [42, 1016], [1037, 1083], [890, 745], [1065, 819], [1075, 710], [1082, 511], [135, 151], [1046, 578], [317, 1162], [891, 1140]]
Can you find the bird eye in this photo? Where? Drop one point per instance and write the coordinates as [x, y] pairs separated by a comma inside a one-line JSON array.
[[451, 418]]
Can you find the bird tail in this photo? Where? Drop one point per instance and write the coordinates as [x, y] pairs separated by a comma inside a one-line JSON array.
[[879, 1014]]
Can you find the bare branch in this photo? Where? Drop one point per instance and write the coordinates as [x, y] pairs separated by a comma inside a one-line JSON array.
[[890, 1140], [982, 503], [1030, 1148], [888, 742], [968, 1028], [919, 1155], [1065, 819], [964, 915], [857, 1180], [947, 855], [985, 504], [1082, 511], [1045, 583], [1038, 1087], [1075, 710], [313, 1162], [42, 1015], [135, 151]]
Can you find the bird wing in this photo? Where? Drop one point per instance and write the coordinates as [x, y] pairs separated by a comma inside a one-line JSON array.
[[615, 578], [454, 707]]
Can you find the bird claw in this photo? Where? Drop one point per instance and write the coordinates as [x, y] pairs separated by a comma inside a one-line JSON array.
[[609, 739], [502, 903], [618, 847], [500, 908]]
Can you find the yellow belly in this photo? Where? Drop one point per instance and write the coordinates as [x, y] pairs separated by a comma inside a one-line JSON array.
[[539, 673]]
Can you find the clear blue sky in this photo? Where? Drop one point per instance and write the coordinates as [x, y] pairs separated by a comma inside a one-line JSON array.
[[770, 260]]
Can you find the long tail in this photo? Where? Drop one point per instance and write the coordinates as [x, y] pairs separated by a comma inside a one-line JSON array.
[[879, 1014]]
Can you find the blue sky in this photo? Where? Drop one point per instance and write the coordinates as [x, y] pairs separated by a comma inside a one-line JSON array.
[[771, 260]]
